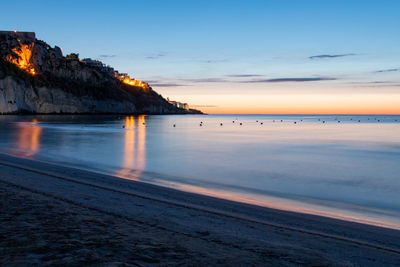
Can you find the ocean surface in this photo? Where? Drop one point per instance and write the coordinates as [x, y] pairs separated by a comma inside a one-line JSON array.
[[345, 167]]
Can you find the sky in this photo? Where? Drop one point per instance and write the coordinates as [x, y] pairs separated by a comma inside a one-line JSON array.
[[258, 57]]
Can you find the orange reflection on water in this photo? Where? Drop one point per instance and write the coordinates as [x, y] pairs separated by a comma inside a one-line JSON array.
[[134, 158], [28, 140]]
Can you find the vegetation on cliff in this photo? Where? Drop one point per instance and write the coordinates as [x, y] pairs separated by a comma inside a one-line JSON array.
[[36, 64]]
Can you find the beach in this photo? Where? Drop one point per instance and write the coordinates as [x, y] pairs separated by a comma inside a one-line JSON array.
[[53, 214]]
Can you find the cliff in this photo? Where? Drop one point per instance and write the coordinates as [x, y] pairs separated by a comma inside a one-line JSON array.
[[36, 78]]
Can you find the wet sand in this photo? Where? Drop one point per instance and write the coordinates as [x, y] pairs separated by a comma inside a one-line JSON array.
[[53, 214]]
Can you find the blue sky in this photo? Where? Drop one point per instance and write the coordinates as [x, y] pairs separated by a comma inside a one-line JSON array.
[[213, 52]]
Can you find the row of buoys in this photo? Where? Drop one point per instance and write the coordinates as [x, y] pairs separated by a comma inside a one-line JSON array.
[[262, 123]]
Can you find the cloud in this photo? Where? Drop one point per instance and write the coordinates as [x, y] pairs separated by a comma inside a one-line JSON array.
[[331, 56], [282, 80], [107, 56], [203, 106], [378, 84], [213, 60], [388, 70], [156, 56], [205, 80], [166, 84], [243, 75]]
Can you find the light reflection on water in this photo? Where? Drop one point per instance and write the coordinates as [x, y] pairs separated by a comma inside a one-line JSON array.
[[28, 138], [340, 166], [134, 159]]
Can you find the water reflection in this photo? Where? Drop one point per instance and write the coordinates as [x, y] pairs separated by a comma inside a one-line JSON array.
[[28, 138], [134, 157]]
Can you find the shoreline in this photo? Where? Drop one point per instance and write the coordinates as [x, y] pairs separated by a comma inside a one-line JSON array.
[[205, 218]]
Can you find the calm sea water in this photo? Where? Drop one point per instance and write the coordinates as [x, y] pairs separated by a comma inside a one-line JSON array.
[[340, 166]]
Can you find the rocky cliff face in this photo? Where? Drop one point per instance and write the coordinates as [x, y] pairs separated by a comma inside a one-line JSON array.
[[36, 78]]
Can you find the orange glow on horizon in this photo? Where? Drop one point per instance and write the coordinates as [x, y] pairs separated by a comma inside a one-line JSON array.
[[328, 103], [310, 111]]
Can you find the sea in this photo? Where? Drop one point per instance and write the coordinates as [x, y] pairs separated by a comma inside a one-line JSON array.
[[340, 166]]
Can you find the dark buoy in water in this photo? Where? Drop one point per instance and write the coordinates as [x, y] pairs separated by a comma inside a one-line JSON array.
[[338, 121], [174, 125], [359, 121], [323, 121]]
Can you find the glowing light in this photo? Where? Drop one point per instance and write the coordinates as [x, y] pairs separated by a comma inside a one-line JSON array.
[[24, 53], [127, 80]]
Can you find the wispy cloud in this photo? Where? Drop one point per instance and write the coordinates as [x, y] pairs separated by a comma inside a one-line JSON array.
[[205, 80], [243, 75], [107, 56], [203, 106], [211, 61], [283, 80], [378, 84], [388, 70], [167, 84], [156, 56], [331, 56]]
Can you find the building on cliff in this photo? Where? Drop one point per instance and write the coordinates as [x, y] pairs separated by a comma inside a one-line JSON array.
[[177, 104], [20, 35], [37, 78]]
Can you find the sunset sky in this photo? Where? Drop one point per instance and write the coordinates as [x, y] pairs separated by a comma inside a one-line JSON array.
[[236, 56]]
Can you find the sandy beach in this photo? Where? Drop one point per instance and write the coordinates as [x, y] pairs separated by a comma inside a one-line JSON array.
[[53, 214]]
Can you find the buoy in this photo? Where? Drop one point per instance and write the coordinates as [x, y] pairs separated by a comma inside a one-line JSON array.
[[174, 125]]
